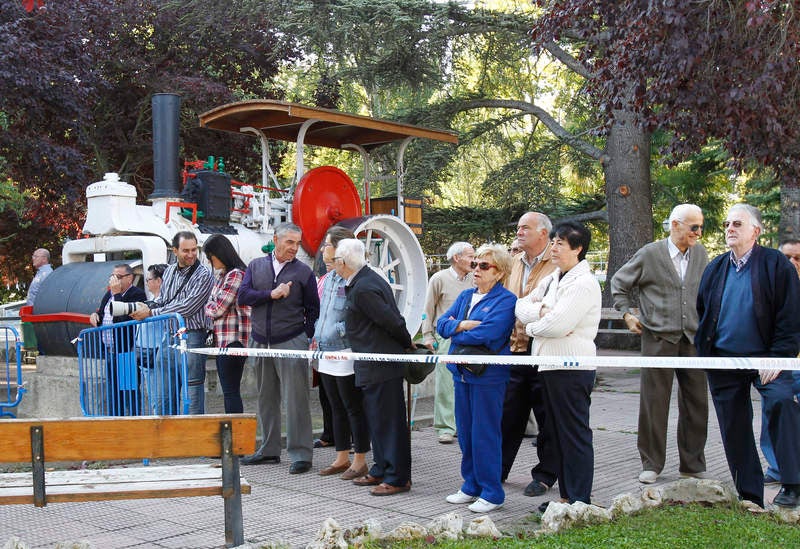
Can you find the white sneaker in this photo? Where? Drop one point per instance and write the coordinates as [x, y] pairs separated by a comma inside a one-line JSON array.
[[648, 477], [445, 438], [483, 506], [460, 497]]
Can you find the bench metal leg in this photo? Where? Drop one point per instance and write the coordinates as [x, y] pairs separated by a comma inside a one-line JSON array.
[[231, 489], [37, 461]]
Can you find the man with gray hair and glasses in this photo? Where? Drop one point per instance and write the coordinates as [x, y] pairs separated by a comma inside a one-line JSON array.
[[666, 274], [749, 306], [283, 293], [443, 289]]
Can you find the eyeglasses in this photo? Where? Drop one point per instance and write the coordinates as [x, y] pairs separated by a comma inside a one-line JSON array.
[[737, 224], [483, 265], [693, 228], [120, 277]]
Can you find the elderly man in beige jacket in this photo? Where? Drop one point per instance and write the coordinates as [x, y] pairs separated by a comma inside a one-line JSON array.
[[667, 274], [524, 390]]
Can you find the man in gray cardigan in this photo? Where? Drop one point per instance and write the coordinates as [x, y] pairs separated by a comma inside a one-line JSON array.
[[667, 274]]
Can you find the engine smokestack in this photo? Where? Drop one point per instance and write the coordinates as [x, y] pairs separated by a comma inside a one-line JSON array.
[[166, 129]]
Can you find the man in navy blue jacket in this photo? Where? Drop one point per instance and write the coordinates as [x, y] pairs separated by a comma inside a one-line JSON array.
[[283, 293], [749, 306], [374, 325]]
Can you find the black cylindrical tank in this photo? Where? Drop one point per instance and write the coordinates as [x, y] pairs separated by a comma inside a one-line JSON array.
[[72, 288]]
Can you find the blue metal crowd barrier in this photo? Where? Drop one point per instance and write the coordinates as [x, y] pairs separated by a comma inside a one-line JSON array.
[[11, 386], [134, 368]]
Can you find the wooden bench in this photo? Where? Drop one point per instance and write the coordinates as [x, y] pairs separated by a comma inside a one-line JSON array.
[[611, 321], [39, 441]]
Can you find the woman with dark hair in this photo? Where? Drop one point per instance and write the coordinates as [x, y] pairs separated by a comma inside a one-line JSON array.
[[231, 320], [562, 315], [338, 376]]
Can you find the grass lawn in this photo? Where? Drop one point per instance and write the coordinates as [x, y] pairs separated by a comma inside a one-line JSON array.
[[678, 526]]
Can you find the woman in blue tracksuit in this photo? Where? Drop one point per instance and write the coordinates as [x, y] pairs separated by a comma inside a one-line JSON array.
[[481, 316]]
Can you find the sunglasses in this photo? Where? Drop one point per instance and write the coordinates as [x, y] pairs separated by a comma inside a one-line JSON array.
[[482, 265], [737, 224], [692, 228]]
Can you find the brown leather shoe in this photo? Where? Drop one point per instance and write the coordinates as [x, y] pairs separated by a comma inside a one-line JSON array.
[[331, 470], [368, 480], [384, 489], [351, 474]]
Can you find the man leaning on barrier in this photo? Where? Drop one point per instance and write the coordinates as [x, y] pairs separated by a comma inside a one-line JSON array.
[[667, 273], [184, 290], [118, 345], [749, 306]]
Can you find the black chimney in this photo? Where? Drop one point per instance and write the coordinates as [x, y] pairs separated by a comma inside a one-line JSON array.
[[166, 130]]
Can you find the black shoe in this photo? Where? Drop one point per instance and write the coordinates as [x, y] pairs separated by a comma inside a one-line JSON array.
[[789, 496], [299, 467], [320, 443], [543, 506], [255, 459], [536, 488]]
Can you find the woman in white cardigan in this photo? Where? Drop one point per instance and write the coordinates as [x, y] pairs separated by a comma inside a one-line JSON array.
[[562, 315]]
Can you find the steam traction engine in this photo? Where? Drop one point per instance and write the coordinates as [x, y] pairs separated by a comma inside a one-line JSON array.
[[118, 230]]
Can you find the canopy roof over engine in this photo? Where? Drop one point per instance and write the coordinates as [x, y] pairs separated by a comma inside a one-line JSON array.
[[285, 121]]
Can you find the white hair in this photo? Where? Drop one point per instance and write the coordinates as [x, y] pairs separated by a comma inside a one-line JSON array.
[[457, 248], [351, 252], [680, 212], [751, 211]]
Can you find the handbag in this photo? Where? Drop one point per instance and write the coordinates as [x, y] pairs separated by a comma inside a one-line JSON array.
[[416, 372], [474, 369]]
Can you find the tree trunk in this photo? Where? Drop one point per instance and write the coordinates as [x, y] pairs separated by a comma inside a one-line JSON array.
[[789, 228], [626, 168]]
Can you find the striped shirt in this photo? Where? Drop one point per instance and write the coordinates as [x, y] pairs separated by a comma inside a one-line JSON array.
[[191, 299]]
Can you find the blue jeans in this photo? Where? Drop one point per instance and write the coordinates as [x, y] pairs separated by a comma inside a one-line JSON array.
[[229, 370], [196, 367], [765, 442]]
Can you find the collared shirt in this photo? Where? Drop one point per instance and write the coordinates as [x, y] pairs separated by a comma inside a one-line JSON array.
[[192, 297], [452, 271], [529, 266], [231, 320], [679, 260], [41, 274], [277, 266], [742, 261]]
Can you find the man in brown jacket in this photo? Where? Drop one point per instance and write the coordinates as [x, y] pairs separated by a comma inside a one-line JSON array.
[[524, 390]]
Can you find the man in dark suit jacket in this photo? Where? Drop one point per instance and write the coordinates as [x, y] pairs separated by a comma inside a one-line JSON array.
[[118, 344], [667, 273], [749, 306], [374, 325]]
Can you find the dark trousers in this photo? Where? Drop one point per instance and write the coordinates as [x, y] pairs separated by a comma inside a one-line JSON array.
[[347, 412], [568, 398], [730, 390], [123, 381], [385, 406], [654, 397], [328, 434], [524, 393], [229, 370]]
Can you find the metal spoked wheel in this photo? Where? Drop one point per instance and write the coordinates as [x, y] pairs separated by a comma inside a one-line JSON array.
[[394, 251]]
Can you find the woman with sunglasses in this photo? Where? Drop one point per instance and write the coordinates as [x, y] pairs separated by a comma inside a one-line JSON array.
[[562, 315], [231, 320], [481, 316]]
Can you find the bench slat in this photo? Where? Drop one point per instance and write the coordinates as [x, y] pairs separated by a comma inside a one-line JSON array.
[[119, 483], [151, 437]]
